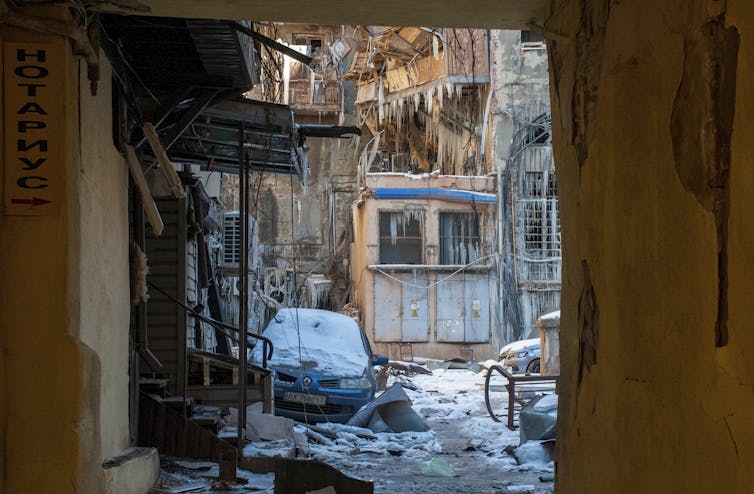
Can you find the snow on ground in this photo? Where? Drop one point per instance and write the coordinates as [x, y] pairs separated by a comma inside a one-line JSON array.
[[479, 450], [482, 453]]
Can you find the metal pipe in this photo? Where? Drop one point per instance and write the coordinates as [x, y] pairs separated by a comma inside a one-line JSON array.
[[500, 246], [244, 301], [271, 43]]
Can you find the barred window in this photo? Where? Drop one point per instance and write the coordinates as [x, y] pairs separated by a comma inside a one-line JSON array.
[[459, 238], [541, 219]]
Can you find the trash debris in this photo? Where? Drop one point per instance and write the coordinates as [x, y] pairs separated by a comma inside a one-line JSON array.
[[391, 412], [538, 418], [437, 467], [266, 427], [458, 363]]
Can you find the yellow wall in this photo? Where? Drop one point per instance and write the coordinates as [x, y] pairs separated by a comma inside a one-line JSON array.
[[103, 253], [64, 300], [657, 408]]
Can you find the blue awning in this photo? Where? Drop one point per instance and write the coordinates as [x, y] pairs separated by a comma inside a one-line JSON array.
[[441, 194]]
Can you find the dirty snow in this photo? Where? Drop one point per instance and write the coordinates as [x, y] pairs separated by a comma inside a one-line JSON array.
[[482, 453], [324, 340]]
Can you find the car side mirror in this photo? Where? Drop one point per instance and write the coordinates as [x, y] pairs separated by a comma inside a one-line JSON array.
[[379, 360]]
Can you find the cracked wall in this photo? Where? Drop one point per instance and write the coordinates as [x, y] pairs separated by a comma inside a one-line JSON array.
[[652, 106]]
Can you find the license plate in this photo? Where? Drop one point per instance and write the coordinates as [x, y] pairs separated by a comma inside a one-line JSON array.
[[305, 398]]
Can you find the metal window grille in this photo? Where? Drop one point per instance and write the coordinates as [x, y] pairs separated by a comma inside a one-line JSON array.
[[460, 239]]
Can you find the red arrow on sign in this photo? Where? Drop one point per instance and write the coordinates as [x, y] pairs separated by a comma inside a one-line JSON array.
[[34, 201]]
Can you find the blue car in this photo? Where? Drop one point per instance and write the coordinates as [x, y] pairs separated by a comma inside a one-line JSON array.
[[323, 365]]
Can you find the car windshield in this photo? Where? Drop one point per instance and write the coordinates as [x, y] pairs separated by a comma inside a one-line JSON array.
[[315, 339]]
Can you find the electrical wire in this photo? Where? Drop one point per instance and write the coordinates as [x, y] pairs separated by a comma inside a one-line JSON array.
[[431, 285]]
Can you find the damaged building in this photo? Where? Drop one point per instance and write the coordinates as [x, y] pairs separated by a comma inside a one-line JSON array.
[[456, 241], [650, 121]]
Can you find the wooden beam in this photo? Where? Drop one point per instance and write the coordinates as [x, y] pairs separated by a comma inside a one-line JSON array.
[[150, 207], [166, 166]]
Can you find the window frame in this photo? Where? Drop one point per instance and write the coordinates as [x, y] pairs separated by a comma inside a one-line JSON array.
[[383, 258], [441, 238]]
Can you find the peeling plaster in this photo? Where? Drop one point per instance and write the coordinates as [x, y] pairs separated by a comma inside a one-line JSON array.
[[589, 323], [593, 18], [701, 128]]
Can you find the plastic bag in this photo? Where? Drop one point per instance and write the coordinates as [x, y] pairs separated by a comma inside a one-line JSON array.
[[436, 467]]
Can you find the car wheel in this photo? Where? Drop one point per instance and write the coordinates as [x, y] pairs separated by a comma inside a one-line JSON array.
[[533, 367]]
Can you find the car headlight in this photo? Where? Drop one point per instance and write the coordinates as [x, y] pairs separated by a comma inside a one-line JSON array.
[[522, 354], [355, 383]]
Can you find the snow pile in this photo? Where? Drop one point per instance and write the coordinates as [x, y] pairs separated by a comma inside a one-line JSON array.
[[324, 340], [332, 441], [534, 456]]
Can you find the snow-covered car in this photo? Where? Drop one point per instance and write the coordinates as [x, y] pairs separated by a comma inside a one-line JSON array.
[[521, 356], [323, 365]]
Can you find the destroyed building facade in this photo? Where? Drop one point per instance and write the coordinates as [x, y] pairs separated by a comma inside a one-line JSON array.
[[456, 241]]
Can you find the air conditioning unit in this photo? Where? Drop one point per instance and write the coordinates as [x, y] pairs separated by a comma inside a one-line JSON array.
[[231, 253]]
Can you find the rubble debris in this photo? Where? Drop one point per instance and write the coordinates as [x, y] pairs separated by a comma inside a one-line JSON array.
[[266, 427], [305, 476], [458, 363], [391, 412]]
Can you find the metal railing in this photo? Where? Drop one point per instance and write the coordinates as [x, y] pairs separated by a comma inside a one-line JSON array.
[[267, 346]]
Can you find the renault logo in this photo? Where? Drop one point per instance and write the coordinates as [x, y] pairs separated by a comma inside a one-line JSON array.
[[307, 381]]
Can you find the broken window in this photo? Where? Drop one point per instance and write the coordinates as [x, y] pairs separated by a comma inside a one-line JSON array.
[[459, 238], [315, 43], [541, 219], [401, 236]]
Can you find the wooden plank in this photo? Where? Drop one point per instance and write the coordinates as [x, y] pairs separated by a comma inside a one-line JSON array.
[[150, 207], [166, 166]]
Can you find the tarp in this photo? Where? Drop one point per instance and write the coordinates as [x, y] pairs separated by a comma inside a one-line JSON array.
[[390, 412], [538, 418]]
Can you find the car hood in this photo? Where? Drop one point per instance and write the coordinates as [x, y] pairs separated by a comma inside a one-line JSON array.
[[316, 340], [521, 345]]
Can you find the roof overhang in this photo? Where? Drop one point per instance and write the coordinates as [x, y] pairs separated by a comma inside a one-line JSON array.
[[500, 14]]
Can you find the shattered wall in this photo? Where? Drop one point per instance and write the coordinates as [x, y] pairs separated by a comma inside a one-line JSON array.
[[652, 111]]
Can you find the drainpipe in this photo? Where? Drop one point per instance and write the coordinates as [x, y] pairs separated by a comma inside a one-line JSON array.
[[244, 301], [500, 255]]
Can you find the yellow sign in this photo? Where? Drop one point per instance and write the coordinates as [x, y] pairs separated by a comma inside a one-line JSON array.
[[34, 90]]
